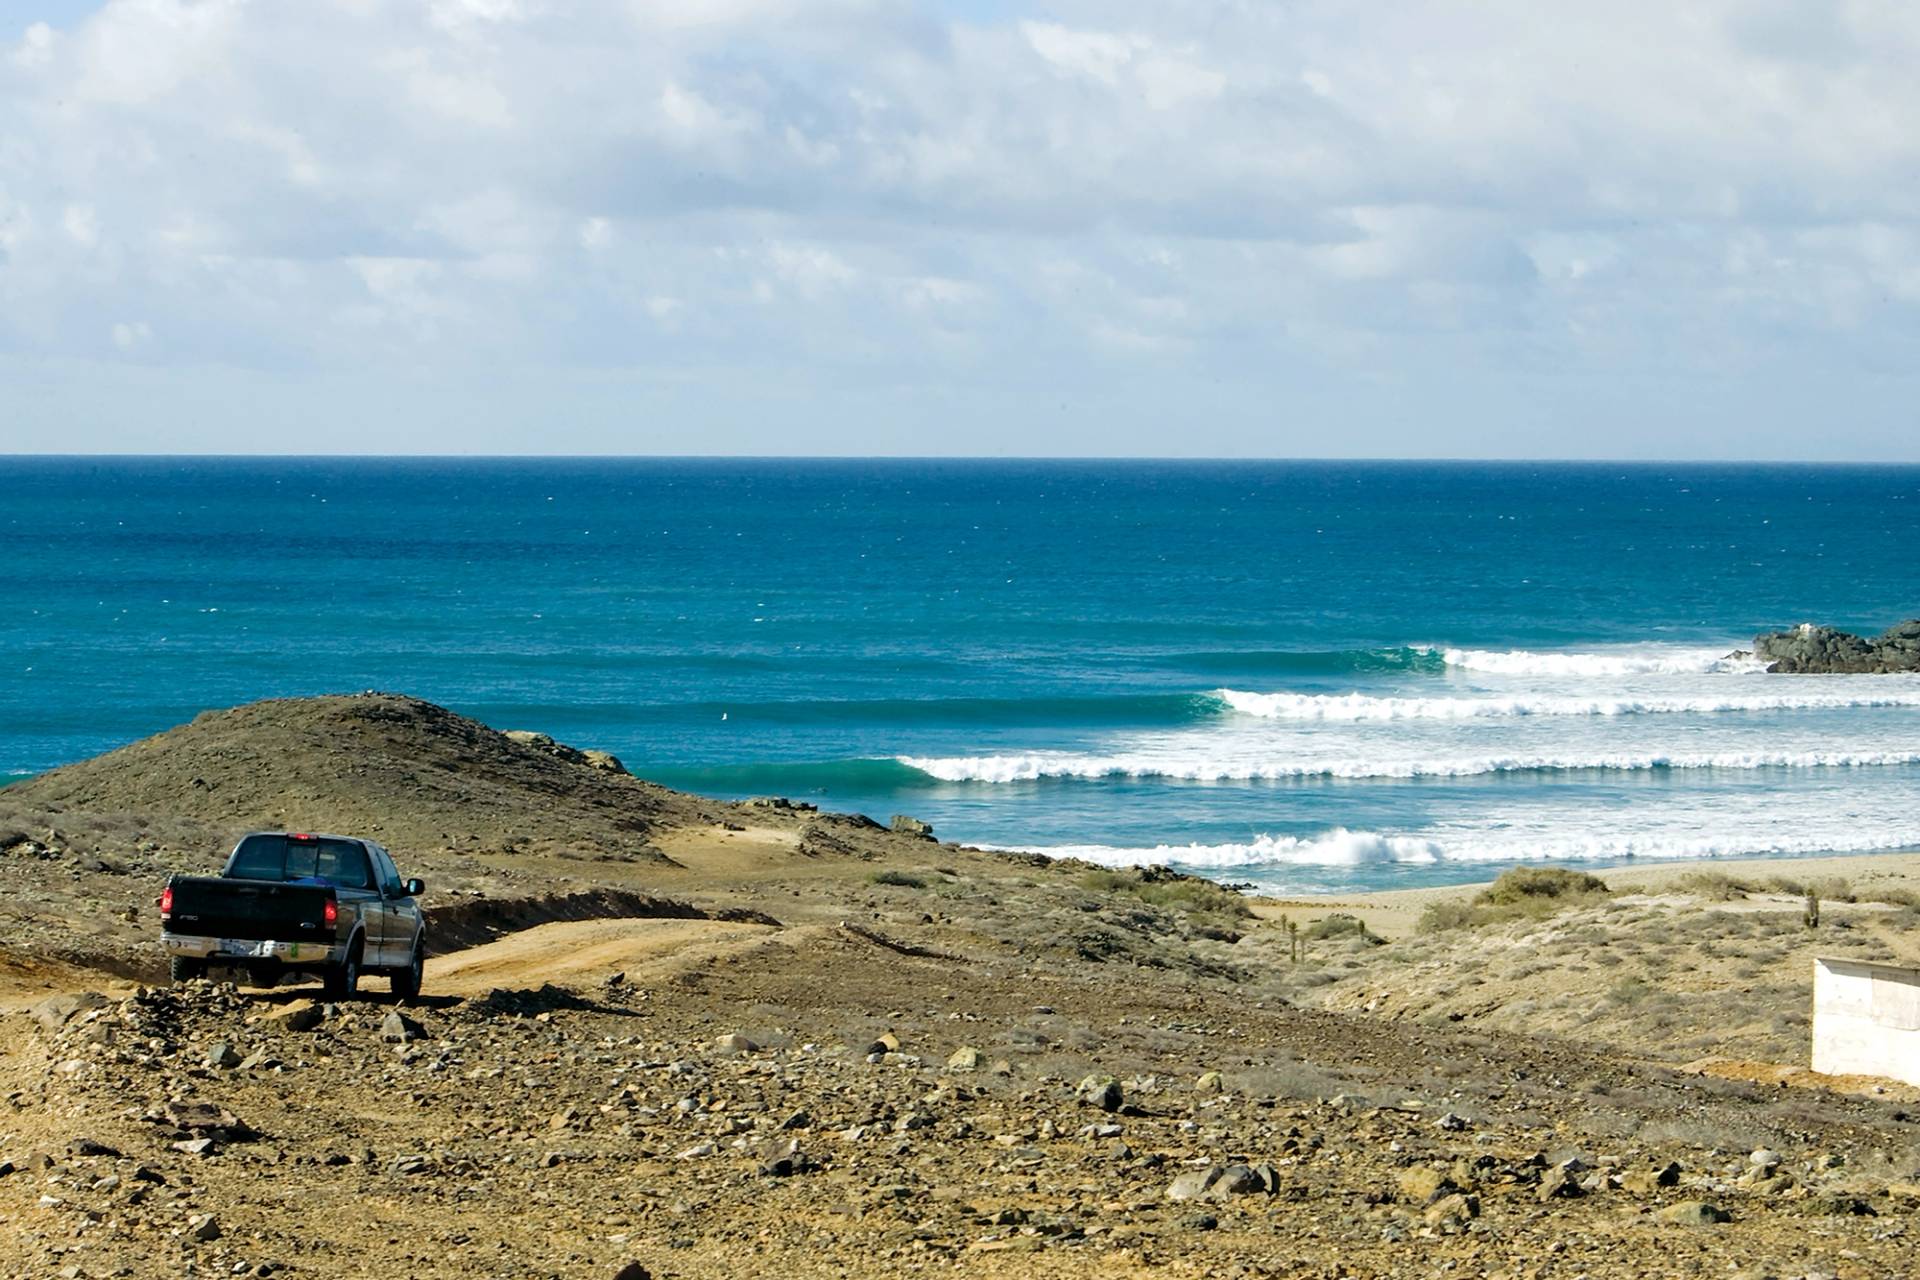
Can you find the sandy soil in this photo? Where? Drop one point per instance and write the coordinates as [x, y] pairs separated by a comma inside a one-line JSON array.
[[588, 950]]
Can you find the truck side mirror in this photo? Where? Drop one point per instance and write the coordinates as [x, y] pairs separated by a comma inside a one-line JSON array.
[[416, 887]]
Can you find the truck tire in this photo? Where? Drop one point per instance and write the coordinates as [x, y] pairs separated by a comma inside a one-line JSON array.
[[185, 969], [343, 983], [406, 982]]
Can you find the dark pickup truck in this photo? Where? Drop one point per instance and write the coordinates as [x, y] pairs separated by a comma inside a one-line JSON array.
[[292, 902]]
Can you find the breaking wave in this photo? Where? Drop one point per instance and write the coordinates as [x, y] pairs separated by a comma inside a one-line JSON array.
[[1040, 766], [1360, 706], [1340, 847], [1522, 662]]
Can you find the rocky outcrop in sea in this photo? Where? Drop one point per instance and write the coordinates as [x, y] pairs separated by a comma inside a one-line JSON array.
[[1808, 649]]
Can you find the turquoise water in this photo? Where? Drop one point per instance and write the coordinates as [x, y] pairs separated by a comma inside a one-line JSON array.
[[1308, 675]]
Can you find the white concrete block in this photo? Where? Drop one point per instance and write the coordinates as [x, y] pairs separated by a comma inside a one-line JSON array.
[[1866, 1019]]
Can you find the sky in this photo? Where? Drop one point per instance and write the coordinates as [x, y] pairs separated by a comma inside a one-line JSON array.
[[1225, 228]]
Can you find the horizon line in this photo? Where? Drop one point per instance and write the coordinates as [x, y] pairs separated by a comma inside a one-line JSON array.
[[960, 457]]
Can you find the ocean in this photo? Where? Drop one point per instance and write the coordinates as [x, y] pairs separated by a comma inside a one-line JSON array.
[[1307, 676]]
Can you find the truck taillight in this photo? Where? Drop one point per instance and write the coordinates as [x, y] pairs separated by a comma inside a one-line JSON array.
[[332, 913], [166, 901]]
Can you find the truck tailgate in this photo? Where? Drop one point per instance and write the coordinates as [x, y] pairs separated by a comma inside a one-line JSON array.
[[256, 910]]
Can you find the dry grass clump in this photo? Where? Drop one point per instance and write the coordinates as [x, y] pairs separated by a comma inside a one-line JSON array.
[[1521, 893], [899, 879]]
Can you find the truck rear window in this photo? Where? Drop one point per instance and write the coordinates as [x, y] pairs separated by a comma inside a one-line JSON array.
[[341, 863]]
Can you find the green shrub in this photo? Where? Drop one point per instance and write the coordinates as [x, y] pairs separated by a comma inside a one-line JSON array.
[[1447, 915], [899, 879], [1160, 887], [1338, 925], [1521, 893], [1520, 885], [1717, 886]]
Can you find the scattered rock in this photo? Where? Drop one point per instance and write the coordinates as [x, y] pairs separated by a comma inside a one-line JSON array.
[[1422, 1185], [1693, 1213], [965, 1058], [56, 1011], [1646, 1181], [1222, 1181], [296, 1015], [398, 1028], [633, 1271], [204, 1228], [734, 1042], [1561, 1182], [1210, 1082], [1453, 1210], [907, 826], [1841, 1206], [1103, 1092], [223, 1056]]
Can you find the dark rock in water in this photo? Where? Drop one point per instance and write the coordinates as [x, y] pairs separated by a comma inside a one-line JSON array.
[[1812, 650]]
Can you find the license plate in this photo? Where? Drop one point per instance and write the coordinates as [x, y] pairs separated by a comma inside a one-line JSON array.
[[239, 947]]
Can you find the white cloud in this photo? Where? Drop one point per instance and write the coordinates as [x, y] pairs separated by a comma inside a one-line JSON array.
[[1257, 197]]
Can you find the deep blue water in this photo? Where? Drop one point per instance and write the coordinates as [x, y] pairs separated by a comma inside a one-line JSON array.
[[1311, 674]]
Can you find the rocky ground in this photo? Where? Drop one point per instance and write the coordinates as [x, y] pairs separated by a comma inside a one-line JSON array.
[[781, 1040]]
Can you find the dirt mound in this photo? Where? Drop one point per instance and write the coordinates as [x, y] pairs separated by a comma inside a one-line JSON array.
[[414, 775]]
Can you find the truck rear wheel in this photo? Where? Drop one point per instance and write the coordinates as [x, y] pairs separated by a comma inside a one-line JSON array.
[[185, 969], [343, 983]]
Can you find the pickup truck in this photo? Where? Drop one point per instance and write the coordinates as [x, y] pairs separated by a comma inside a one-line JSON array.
[[295, 902]]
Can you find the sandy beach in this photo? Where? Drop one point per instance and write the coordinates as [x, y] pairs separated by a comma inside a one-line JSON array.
[[1396, 913]]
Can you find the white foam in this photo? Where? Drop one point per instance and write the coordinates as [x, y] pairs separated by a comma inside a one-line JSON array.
[[1624, 662], [1341, 847], [1360, 706], [1037, 766], [1336, 848]]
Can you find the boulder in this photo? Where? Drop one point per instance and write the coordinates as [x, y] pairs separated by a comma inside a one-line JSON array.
[[908, 826], [604, 761], [965, 1058]]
